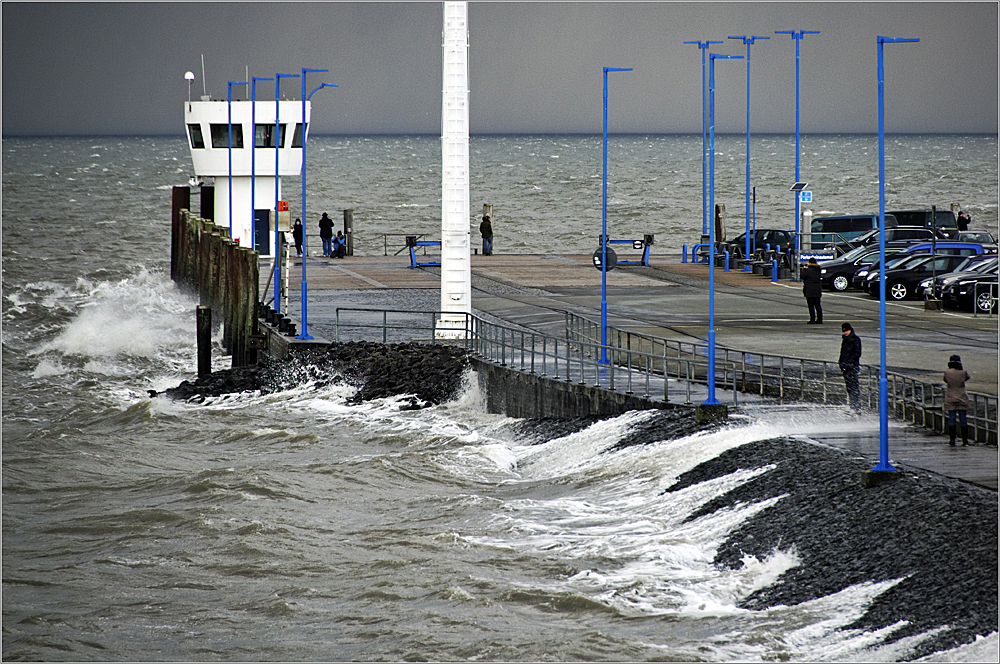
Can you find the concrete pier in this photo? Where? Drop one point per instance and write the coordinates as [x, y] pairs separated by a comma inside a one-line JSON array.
[[668, 299]]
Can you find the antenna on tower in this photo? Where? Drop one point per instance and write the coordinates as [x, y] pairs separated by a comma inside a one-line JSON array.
[[204, 90]]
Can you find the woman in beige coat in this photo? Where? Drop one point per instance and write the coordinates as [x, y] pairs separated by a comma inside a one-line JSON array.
[[956, 401]]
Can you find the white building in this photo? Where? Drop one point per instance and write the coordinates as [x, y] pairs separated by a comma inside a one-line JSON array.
[[245, 176]]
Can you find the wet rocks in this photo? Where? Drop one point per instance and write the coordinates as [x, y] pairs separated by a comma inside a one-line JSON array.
[[936, 534], [429, 374]]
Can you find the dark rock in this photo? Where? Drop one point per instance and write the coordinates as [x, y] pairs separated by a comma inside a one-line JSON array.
[[938, 535], [431, 374]]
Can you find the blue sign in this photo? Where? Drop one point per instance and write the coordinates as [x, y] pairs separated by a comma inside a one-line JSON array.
[[806, 197]]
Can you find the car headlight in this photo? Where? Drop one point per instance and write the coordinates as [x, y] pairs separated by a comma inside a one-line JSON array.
[[862, 273], [925, 283], [822, 271]]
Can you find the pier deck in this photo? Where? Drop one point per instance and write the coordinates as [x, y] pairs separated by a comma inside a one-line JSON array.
[[668, 299]]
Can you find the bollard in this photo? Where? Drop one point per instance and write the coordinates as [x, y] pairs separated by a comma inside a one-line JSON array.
[[203, 327], [684, 254], [727, 260], [774, 270]]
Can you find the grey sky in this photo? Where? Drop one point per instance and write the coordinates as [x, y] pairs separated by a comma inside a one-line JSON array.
[[118, 68]]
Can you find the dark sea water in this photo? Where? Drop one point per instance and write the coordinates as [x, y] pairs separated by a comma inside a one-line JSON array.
[[297, 526]]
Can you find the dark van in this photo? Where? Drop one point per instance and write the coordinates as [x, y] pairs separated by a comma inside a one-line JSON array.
[[827, 231], [943, 222]]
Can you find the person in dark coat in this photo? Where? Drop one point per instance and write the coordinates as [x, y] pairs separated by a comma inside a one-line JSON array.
[[812, 288], [956, 400], [297, 236], [486, 230], [326, 234], [850, 364], [963, 221]]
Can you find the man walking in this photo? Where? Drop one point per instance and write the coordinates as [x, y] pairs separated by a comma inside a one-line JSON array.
[[850, 364], [812, 288]]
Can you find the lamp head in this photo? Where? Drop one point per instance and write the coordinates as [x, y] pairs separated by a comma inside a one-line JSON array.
[[189, 75]]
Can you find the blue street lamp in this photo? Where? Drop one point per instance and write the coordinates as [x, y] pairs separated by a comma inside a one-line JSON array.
[[229, 110], [797, 36], [277, 154], [711, 240], [883, 383], [704, 166], [305, 246], [746, 254], [253, 161], [604, 227]]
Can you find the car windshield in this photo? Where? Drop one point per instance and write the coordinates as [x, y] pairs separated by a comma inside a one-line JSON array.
[[856, 253], [986, 266], [864, 236], [978, 237]]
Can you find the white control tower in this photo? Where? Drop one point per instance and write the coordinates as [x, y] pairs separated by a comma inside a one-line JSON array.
[[237, 170], [456, 266]]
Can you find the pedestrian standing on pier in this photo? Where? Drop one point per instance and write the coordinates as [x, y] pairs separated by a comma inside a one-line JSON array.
[[812, 288], [963, 221], [850, 364], [297, 236], [326, 234], [486, 230], [956, 400]]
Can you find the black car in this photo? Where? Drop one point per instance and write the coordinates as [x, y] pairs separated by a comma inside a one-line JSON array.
[[901, 279], [941, 221], [762, 239], [836, 274], [897, 234], [932, 287], [984, 238], [974, 292]]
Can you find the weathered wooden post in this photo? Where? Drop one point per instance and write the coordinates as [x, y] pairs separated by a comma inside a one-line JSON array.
[[204, 334], [349, 231]]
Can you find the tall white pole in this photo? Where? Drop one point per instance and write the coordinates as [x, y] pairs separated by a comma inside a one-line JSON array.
[[456, 265]]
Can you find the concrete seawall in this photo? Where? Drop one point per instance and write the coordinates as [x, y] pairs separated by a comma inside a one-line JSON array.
[[517, 394]]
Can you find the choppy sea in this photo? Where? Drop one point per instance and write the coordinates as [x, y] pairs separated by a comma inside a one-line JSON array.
[[297, 526]]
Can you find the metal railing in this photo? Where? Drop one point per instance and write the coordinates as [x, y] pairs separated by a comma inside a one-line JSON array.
[[520, 349], [785, 378]]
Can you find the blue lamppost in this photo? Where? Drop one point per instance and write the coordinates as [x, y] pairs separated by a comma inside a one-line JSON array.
[[711, 240], [277, 154], [229, 111], [704, 166], [883, 382], [797, 36], [305, 245], [253, 161], [746, 254], [604, 226]]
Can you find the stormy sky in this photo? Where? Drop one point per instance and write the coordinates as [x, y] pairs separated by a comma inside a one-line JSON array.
[[535, 67]]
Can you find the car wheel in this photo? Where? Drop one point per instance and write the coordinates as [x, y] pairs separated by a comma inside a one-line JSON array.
[[840, 282], [898, 290], [984, 302]]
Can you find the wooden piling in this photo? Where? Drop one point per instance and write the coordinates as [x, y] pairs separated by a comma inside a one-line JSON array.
[[204, 334]]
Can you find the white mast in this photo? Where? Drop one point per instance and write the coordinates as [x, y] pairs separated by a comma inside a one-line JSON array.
[[456, 267]]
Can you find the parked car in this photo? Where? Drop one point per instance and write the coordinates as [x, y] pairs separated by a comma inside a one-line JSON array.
[[762, 238], [901, 280], [826, 231], [941, 221], [932, 288], [974, 292], [836, 274], [897, 234], [896, 249], [982, 237]]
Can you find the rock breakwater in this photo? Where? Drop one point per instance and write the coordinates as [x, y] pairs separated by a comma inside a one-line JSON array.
[[429, 374], [938, 535]]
